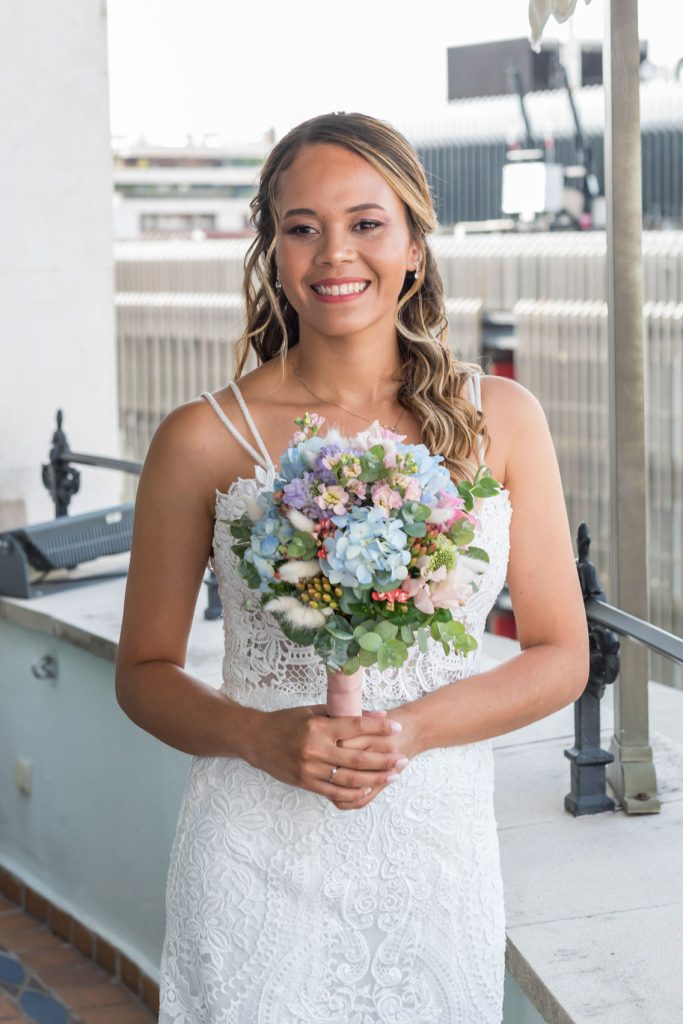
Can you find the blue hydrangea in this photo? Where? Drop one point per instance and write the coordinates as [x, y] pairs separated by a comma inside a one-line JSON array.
[[266, 536], [297, 460], [367, 549], [431, 474]]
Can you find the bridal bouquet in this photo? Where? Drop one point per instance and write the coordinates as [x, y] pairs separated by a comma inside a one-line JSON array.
[[363, 548]]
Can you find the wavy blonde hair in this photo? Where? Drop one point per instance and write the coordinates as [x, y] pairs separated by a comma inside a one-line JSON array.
[[431, 378]]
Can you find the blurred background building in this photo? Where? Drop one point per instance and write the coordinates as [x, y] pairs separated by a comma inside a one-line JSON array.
[[179, 191]]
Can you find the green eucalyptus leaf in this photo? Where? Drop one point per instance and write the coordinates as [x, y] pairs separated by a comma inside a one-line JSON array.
[[421, 512], [370, 641], [383, 658], [475, 552], [387, 630], [367, 658]]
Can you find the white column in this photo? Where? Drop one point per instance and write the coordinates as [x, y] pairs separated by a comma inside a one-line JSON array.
[[57, 339], [632, 773]]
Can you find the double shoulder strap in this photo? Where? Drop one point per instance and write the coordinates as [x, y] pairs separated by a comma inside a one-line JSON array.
[[262, 456]]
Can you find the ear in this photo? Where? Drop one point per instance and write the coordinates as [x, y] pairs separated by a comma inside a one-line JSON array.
[[414, 255]]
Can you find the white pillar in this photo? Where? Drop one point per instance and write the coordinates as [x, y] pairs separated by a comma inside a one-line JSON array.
[[57, 339], [632, 773]]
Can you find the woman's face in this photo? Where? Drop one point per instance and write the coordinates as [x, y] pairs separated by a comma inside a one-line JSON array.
[[324, 242]]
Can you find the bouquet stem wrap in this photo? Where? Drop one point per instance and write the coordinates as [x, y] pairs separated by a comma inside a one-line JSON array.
[[344, 693]]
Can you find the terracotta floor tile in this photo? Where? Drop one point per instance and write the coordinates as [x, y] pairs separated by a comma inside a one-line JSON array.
[[81, 997], [56, 977], [32, 938], [132, 1014], [7, 1009], [13, 921], [85, 987], [60, 955]]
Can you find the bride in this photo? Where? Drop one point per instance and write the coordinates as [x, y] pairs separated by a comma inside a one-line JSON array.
[[280, 907]]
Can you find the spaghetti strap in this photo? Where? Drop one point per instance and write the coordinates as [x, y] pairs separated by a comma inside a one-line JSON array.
[[262, 457], [252, 426], [474, 382]]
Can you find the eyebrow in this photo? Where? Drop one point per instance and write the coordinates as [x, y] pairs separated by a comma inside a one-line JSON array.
[[303, 210]]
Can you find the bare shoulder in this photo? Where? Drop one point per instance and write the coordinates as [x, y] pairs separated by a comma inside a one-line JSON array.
[[509, 407], [542, 578], [184, 449]]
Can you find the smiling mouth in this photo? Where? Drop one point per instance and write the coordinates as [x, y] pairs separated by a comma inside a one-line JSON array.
[[355, 288]]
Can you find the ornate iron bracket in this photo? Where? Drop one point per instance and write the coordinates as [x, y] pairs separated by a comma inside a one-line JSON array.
[[588, 784], [61, 479]]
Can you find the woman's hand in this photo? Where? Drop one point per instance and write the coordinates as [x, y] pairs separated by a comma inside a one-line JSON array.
[[404, 743], [301, 745]]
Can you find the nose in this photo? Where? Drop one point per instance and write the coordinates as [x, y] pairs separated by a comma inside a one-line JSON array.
[[334, 246]]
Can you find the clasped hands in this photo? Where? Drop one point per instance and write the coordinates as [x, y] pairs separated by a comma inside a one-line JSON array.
[[395, 747], [301, 746]]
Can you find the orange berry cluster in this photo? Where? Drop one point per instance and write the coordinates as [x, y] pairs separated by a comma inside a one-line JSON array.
[[423, 545]]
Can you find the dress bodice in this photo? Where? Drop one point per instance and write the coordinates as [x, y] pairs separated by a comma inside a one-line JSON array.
[[262, 668]]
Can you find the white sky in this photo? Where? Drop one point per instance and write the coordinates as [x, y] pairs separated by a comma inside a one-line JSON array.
[[236, 68]]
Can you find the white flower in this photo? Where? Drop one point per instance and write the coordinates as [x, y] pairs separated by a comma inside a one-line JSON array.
[[372, 435], [440, 515], [253, 509], [297, 614], [297, 569], [299, 521]]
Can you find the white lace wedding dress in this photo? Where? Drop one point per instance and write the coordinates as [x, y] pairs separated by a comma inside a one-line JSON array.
[[282, 909]]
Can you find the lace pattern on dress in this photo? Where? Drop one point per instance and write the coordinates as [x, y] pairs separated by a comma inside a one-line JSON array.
[[281, 909]]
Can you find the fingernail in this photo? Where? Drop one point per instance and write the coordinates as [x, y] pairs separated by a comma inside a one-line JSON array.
[[401, 763], [395, 726], [368, 790], [392, 776]]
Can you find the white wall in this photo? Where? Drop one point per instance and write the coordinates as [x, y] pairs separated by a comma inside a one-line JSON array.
[[56, 262], [94, 836]]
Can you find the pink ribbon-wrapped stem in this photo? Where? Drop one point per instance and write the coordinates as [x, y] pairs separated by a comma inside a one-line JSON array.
[[344, 694]]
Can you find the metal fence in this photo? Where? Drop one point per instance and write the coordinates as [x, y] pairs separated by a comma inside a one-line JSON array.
[[498, 269], [561, 356], [179, 312]]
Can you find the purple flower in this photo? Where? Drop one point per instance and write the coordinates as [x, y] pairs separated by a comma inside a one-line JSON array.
[[298, 493]]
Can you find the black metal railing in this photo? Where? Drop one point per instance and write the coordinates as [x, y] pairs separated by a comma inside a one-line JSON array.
[[63, 481], [606, 624]]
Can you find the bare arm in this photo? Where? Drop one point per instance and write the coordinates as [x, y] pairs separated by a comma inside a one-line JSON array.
[[552, 669], [172, 536]]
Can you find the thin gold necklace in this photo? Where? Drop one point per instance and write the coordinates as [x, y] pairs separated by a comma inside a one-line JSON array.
[[324, 401]]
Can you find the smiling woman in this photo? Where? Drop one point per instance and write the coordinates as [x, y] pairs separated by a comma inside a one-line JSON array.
[[280, 908]]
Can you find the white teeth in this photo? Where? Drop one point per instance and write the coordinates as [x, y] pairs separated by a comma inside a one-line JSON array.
[[343, 289]]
